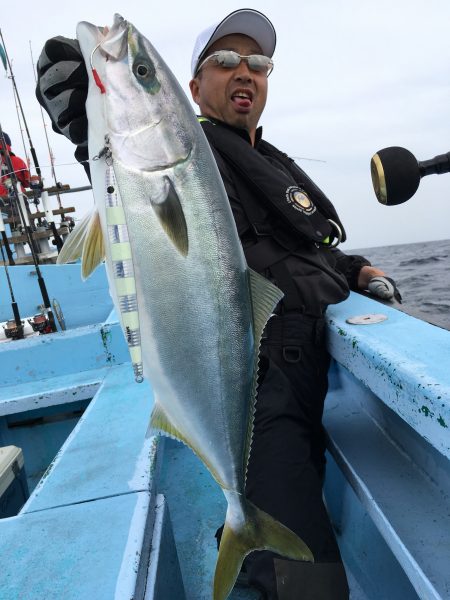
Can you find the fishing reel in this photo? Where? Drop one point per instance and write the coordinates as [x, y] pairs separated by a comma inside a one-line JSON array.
[[13, 331], [36, 186], [396, 173], [40, 324]]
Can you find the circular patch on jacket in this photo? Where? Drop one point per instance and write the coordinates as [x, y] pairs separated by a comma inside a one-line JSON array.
[[300, 200]]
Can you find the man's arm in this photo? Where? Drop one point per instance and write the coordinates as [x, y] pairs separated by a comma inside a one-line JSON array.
[[362, 276]]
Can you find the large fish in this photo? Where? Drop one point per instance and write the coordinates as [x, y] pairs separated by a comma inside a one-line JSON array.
[[191, 310]]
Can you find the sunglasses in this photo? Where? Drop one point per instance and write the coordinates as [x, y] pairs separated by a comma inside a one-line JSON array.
[[228, 59]]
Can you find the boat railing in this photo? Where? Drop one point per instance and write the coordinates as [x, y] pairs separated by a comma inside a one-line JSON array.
[[388, 418]]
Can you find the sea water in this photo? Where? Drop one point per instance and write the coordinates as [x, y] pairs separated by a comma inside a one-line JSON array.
[[422, 274]]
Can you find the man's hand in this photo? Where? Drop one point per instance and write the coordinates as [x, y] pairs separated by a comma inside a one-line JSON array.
[[377, 283], [385, 288], [62, 87]]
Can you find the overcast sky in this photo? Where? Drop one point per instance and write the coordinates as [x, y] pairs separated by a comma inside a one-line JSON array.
[[351, 77]]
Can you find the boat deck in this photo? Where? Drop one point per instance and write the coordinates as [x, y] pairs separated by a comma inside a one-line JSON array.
[[118, 515]]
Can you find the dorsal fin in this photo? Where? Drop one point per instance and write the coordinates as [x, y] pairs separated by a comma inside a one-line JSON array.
[[264, 296]]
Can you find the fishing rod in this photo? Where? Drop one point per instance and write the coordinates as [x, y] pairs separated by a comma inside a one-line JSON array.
[[32, 150], [5, 241], [18, 333], [24, 217], [50, 152]]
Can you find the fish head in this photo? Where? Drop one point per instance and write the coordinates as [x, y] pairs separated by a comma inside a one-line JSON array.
[[145, 121]]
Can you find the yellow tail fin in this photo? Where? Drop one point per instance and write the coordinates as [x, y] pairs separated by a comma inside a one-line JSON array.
[[260, 531]]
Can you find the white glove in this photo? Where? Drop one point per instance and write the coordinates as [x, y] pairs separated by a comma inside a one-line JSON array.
[[384, 288]]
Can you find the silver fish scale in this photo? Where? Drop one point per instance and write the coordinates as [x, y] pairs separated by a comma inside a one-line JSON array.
[[196, 314], [195, 308]]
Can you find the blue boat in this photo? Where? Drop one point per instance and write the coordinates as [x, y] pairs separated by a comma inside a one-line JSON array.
[[112, 514]]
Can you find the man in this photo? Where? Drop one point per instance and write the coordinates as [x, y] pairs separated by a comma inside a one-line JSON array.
[[287, 227], [20, 168]]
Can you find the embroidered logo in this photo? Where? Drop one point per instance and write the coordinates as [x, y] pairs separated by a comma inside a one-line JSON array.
[[299, 200]]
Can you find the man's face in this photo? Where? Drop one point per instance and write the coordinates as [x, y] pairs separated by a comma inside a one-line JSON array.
[[236, 96]]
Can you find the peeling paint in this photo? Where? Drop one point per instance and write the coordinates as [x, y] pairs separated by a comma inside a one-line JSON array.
[[105, 332], [442, 423], [426, 411]]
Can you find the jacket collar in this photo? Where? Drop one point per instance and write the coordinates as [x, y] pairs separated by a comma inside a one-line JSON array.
[[243, 133]]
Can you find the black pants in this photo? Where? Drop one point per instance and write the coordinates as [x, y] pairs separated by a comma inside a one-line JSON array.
[[287, 459]]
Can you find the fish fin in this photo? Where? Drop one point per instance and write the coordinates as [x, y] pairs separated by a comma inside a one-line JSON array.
[[259, 532], [159, 421], [171, 216], [265, 296], [114, 44], [73, 246], [93, 247]]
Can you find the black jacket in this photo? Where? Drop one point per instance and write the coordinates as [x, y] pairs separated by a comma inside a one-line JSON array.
[[281, 240]]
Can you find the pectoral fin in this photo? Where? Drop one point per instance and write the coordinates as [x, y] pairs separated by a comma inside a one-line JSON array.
[[171, 216]]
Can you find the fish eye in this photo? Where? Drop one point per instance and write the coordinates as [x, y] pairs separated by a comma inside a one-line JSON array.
[[143, 70]]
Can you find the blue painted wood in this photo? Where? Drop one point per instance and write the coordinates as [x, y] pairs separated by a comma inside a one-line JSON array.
[[82, 303], [164, 581], [197, 508], [53, 391], [43, 357], [372, 569], [380, 440], [92, 550], [40, 441], [104, 456], [408, 508], [404, 361], [107, 454]]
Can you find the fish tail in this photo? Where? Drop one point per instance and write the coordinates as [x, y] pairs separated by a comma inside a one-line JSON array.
[[259, 531]]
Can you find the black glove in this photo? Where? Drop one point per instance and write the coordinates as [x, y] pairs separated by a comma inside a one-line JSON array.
[[62, 89], [385, 288]]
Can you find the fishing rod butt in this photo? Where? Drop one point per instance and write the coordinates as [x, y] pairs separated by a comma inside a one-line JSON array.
[[396, 173]]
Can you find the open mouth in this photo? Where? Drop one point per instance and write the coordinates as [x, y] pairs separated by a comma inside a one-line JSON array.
[[242, 99]]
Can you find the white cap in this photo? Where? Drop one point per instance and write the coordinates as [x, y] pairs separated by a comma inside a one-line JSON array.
[[246, 21]]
